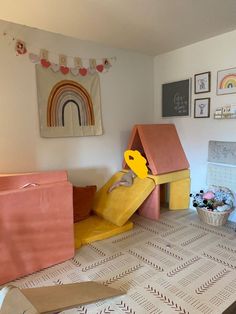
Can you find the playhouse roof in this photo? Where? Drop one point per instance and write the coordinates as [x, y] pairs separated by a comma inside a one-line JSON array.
[[160, 145]]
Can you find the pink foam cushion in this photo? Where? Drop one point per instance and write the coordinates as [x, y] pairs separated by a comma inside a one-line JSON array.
[[18, 180], [160, 145], [151, 206], [36, 229], [83, 201]]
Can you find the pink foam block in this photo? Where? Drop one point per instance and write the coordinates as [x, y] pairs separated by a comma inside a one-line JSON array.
[[151, 206], [160, 145], [36, 224], [18, 180]]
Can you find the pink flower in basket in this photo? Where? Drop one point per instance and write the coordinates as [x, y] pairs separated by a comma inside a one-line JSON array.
[[208, 195]]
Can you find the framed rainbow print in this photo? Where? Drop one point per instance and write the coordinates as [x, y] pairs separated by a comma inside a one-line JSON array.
[[226, 81]]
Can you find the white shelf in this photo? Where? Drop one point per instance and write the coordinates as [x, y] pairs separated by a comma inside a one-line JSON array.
[[225, 116]]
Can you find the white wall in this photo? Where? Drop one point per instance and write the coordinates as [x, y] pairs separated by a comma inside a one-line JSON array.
[[215, 54], [127, 99]]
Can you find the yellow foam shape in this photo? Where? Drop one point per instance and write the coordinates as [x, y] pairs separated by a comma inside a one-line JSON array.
[[119, 205], [95, 228], [170, 177], [78, 242], [179, 194]]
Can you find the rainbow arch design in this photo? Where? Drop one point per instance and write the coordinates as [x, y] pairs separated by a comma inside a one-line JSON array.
[[63, 93], [229, 81]]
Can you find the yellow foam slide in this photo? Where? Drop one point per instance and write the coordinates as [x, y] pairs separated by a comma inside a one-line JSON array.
[[95, 228], [120, 204]]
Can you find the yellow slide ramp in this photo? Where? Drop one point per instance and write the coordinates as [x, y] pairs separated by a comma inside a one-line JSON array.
[[120, 204], [95, 228]]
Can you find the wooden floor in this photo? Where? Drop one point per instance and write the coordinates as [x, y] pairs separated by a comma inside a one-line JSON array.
[[174, 265]]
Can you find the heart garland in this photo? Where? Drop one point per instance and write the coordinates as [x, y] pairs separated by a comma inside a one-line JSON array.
[[100, 67], [74, 71], [78, 68], [45, 63], [55, 67], [83, 71], [34, 58], [65, 70]]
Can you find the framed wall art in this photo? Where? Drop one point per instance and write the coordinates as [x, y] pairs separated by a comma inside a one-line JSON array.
[[176, 98], [202, 82], [226, 81], [202, 108]]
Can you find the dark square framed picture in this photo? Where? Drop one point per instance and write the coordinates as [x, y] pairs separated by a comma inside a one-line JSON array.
[[202, 82], [176, 98], [202, 108]]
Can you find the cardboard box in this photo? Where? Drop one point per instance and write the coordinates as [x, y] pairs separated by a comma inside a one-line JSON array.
[[48, 300]]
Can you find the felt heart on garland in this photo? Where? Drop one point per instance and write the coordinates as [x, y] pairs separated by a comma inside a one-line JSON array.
[[92, 70], [64, 70], [55, 67], [106, 64], [83, 71], [74, 71], [100, 67], [45, 63], [34, 58]]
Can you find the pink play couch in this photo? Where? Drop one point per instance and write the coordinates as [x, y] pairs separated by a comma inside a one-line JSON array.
[[36, 222]]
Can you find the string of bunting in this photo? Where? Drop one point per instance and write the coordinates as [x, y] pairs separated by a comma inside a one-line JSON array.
[[94, 65]]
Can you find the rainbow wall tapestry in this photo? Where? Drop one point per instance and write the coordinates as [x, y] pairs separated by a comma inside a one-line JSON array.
[[68, 105]]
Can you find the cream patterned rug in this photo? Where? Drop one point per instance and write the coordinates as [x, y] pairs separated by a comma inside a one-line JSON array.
[[174, 265]]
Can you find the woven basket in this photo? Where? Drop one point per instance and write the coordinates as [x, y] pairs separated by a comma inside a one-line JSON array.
[[213, 218]]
